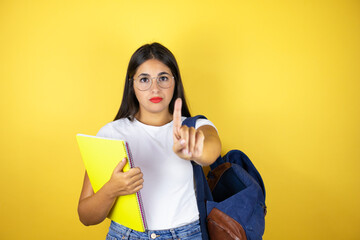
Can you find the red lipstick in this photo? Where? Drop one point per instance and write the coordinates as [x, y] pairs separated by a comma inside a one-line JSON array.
[[156, 99]]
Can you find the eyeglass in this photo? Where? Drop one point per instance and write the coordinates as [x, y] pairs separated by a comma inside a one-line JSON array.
[[144, 82]]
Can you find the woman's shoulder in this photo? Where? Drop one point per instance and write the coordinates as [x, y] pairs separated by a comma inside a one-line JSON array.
[[112, 127]]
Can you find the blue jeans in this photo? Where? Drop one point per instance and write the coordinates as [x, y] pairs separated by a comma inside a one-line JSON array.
[[191, 231]]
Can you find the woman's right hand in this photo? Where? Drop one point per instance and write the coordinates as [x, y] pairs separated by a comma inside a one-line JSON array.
[[125, 183]]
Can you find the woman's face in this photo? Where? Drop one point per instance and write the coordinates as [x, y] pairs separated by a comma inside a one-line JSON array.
[[155, 99]]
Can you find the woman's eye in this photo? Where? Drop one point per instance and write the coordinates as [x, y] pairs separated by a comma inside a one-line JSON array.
[[163, 78], [144, 80]]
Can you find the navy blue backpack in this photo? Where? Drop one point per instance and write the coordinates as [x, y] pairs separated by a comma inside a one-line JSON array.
[[231, 201]]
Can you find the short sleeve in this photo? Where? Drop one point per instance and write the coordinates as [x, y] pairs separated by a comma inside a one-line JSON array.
[[201, 122]]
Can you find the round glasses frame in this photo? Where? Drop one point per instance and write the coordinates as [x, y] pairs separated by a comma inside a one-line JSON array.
[[158, 82]]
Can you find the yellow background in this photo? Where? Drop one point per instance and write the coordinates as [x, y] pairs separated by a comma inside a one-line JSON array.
[[280, 80]]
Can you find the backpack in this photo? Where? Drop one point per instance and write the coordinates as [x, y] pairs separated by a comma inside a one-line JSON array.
[[231, 201]]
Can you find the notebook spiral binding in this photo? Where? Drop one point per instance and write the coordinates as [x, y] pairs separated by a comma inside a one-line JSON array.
[[138, 194]]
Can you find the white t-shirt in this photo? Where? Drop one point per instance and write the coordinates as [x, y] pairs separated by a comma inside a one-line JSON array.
[[168, 191]]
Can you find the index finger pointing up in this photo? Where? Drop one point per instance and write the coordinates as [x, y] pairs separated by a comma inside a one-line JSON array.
[[177, 117]]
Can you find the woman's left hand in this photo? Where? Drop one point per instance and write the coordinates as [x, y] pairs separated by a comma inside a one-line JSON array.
[[188, 142]]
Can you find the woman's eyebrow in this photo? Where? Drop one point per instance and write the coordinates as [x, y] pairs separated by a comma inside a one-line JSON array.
[[163, 73], [143, 74], [146, 74]]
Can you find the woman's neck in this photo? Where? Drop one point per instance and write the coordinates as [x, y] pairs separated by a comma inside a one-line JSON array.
[[154, 119]]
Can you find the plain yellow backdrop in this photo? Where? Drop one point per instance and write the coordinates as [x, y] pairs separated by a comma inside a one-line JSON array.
[[280, 80]]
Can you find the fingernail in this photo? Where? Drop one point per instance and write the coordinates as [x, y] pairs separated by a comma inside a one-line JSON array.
[[182, 142], [185, 152]]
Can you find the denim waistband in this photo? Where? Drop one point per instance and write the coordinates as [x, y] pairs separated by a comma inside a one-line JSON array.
[[173, 233]]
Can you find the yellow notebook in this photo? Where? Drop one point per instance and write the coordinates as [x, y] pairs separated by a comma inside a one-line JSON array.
[[100, 156]]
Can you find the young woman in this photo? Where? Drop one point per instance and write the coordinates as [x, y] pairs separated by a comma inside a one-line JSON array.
[[149, 119]]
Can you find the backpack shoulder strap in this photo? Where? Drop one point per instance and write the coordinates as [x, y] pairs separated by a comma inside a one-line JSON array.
[[203, 193]]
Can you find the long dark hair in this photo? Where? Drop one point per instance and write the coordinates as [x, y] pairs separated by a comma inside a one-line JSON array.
[[129, 104]]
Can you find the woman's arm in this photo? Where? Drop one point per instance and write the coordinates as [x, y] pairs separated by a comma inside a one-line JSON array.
[[94, 207], [211, 146], [201, 145]]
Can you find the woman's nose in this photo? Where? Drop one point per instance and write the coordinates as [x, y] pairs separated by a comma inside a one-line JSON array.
[[154, 86]]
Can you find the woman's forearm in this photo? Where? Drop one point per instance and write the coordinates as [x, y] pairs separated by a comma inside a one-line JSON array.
[[212, 146], [93, 209]]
